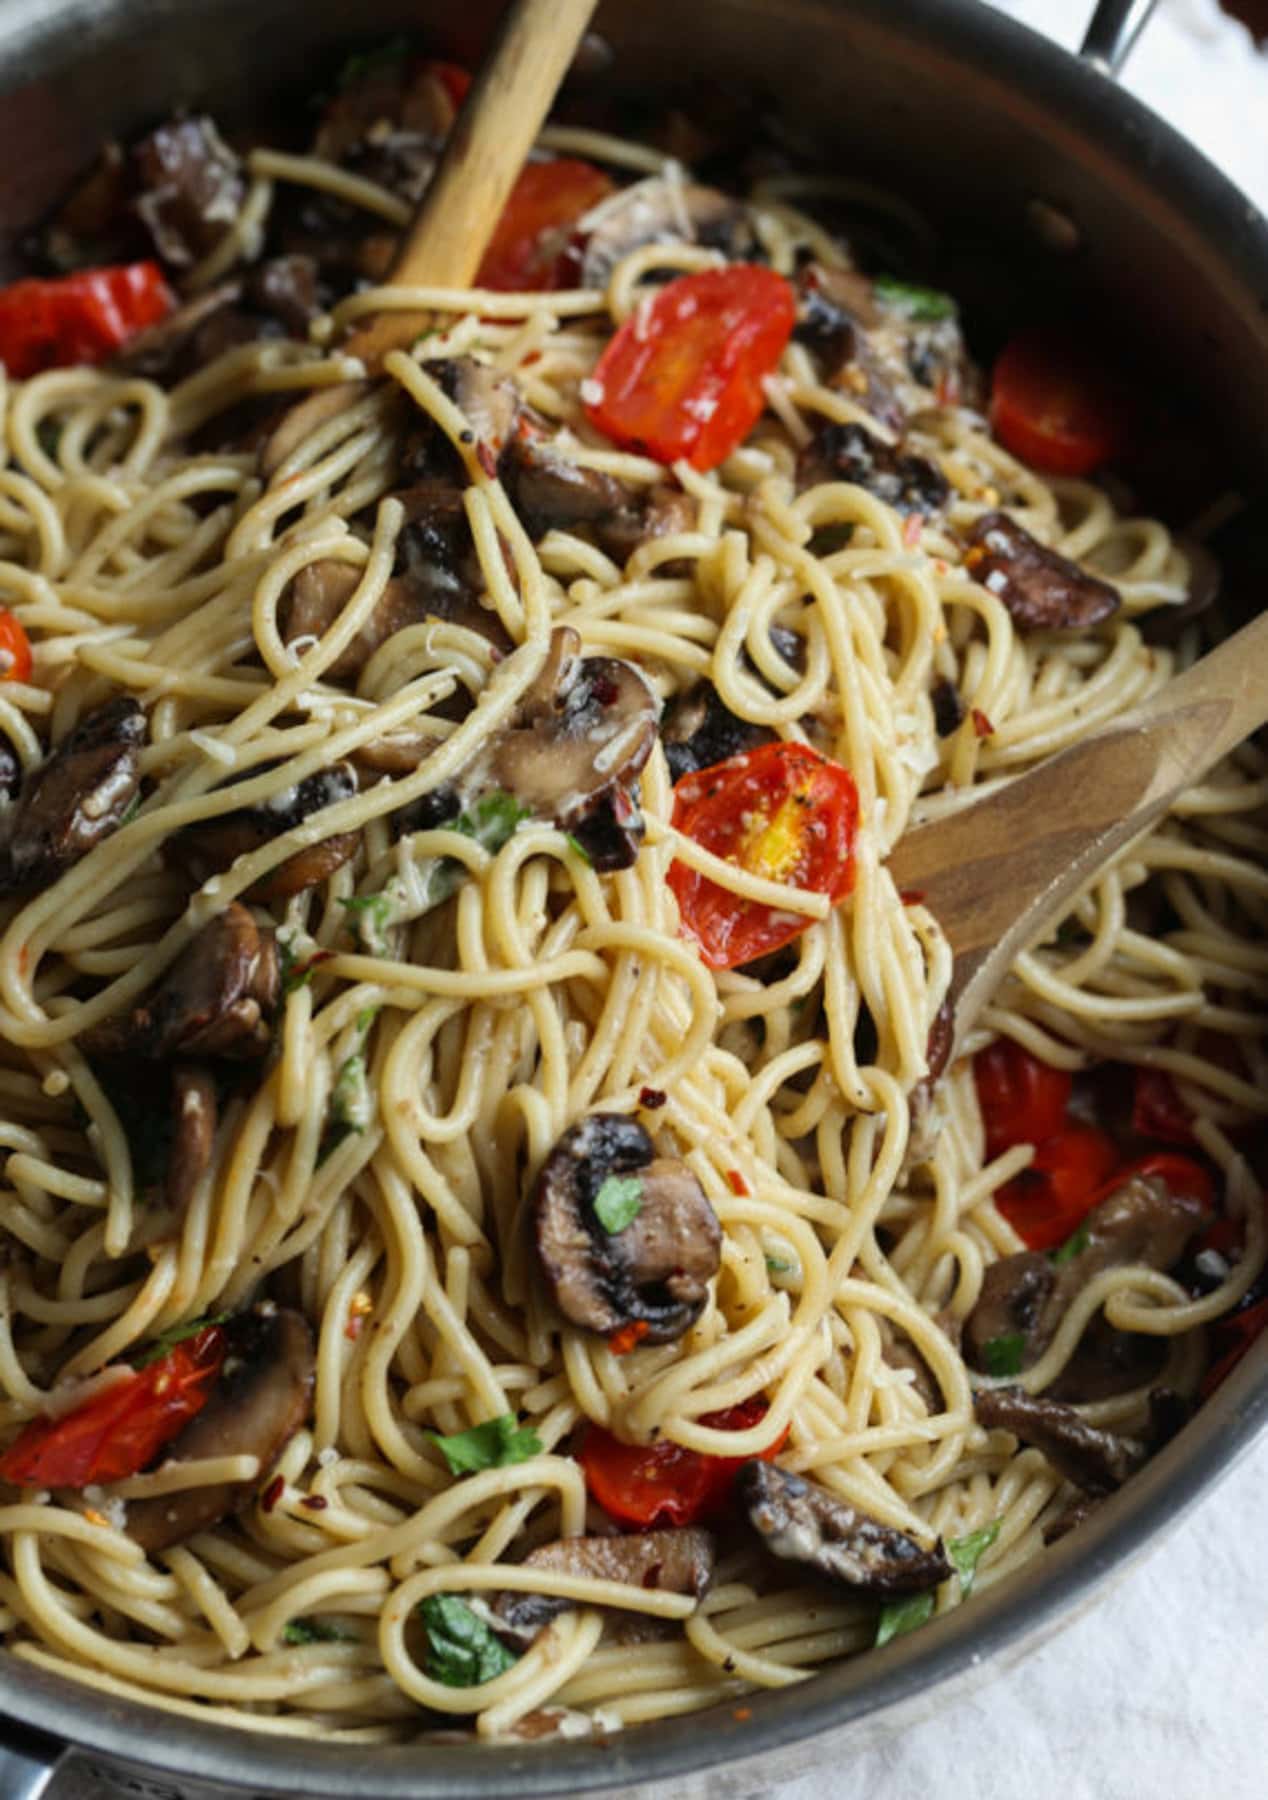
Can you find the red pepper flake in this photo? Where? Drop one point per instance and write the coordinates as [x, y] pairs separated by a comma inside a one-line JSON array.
[[913, 525], [981, 724], [352, 1330], [627, 1337], [272, 1494], [737, 1183], [315, 1502], [486, 459], [911, 896], [742, 1714], [651, 1098]]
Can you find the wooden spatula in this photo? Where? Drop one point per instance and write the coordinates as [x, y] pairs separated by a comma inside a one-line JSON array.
[[995, 874]]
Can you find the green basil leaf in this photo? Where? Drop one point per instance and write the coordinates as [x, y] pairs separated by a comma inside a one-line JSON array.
[[966, 1552], [927, 305], [494, 1445], [462, 1651], [492, 821], [618, 1202], [1074, 1245], [1004, 1354], [169, 1339], [903, 1615], [313, 1631]]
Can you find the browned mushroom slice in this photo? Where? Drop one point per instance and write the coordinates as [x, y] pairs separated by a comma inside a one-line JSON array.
[[382, 93], [261, 1400], [910, 484], [801, 1522], [624, 1237], [836, 317], [76, 798], [217, 998], [195, 1109], [584, 730], [550, 491], [1041, 590], [489, 401], [1096, 1461], [675, 1562], [1025, 1297], [949, 710], [665, 211], [317, 596], [698, 729], [212, 845], [660, 511], [171, 349], [191, 189]]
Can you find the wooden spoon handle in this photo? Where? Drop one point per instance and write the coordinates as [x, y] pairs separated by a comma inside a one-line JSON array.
[[491, 137], [995, 873]]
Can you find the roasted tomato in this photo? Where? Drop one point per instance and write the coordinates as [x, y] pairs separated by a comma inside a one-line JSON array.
[[663, 1484]]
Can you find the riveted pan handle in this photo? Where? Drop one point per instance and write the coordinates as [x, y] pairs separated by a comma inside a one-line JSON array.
[[1115, 26], [27, 1766]]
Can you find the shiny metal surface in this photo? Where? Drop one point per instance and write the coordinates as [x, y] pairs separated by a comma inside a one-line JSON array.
[[1113, 29], [982, 122]]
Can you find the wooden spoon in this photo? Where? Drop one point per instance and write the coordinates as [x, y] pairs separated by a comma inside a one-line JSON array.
[[485, 151], [997, 872]]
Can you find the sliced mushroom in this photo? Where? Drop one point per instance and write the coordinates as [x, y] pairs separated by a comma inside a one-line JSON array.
[[674, 1562], [217, 999], [1027, 1296], [799, 1521], [10, 773], [583, 731], [75, 799], [490, 402], [174, 347], [698, 729], [1041, 590], [660, 511], [938, 1047], [262, 1398], [195, 1109], [655, 1271], [1096, 1461], [212, 845], [385, 93], [191, 189], [910, 484], [549, 491], [662, 210]]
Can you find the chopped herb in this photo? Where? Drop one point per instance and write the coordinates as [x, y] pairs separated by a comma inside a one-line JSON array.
[[169, 1339], [577, 845], [351, 1102], [131, 810], [1074, 1245], [462, 1650], [903, 1615], [778, 1266], [369, 917], [966, 1552], [494, 1445], [431, 332], [313, 1631], [618, 1202], [372, 62], [296, 971], [831, 538], [1003, 1354], [493, 820], [925, 304]]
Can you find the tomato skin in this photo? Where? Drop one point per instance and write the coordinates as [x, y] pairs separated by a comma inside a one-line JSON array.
[[1023, 1100], [119, 1431], [1157, 1109], [650, 1485], [1055, 404], [455, 80], [526, 251], [15, 649], [80, 318], [1050, 1199], [684, 375], [1181, 1174], [781, 811]]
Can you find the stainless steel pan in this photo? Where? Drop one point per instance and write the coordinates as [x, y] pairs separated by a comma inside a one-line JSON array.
[[982, 122]]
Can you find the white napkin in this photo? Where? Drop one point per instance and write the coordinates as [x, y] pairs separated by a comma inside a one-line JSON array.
[[1198, 68]]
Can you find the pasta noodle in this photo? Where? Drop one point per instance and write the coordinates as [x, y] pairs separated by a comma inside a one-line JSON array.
[[856, 1209]]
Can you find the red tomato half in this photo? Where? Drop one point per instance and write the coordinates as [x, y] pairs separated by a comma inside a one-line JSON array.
[[15, 649], [1023, 1100], [684, 375], [455, 80], [663, 1484], [122, 1429], [80, 318], [1157, 1109], [1056, 404], [1181, 1174], [781, 811], [1050, 1199], [525, 251]]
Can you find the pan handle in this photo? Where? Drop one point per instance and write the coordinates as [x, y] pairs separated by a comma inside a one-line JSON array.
[[26, 1767], [1115, 26]]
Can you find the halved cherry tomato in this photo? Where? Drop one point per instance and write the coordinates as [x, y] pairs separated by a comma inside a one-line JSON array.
[[685, 374], [80, 318], [526, 250], [123, 1428], [455, 80], [1023, 1100], [1157, 1109], [1050, 1199], [1181, 1175], [663, 1484], [1232, 1337], [1056, 404], [15, 649], [781, 811]]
